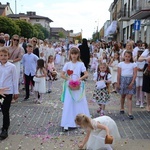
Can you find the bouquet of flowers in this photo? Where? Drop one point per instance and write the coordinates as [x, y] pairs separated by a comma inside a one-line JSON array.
[[74, 85]]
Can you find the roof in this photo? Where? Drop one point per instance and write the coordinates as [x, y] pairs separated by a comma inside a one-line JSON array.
[[56, 29], [30, 16], [3, 6]]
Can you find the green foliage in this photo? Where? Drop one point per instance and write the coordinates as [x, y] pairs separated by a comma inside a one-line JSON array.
[[46, 33], [38, 32], [26, 28], [8, 25], [23, 28], [61, 35]]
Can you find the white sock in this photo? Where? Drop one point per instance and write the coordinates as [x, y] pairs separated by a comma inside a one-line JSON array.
[[49, 85]]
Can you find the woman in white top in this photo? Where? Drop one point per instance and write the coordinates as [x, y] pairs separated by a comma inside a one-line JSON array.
[[146, 75]]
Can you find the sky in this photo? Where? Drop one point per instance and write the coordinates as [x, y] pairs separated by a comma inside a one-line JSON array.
[[77, 15]]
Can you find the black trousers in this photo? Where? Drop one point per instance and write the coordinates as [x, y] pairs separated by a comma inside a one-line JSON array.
[[5, 106], [28, 79]]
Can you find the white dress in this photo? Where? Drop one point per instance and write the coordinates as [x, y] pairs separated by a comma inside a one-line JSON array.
[[114, 71], [75, 102], [96, 139], [40, 86]]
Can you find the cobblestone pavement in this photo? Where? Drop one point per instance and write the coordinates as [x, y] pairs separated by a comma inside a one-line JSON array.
[[38, 120]]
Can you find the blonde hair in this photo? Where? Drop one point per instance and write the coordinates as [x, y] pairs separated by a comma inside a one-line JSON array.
[[74, 50], [4, 50], [83, 120], [13, 37]]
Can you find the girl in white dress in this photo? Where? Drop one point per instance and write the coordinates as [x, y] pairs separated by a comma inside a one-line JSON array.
[[114, 66], [74, 100], [40, 85], [63, 56], [97, 129]]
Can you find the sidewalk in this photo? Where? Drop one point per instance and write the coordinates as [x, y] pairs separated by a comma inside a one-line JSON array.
[[37, 127], [20, 142]]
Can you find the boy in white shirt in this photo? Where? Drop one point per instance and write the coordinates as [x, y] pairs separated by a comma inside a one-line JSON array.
[[29, 61], [8, 79]]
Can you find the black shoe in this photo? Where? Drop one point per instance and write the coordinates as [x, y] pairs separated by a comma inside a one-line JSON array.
[[4, 134], [49, 91], [121, 111], [26, 98], [131, 117]]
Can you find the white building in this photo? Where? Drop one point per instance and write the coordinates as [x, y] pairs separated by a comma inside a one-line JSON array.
[[33, 19]]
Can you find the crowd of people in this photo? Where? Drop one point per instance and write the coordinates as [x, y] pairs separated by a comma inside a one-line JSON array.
[[116, 68]]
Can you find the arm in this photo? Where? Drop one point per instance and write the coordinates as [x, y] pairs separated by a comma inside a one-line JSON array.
[[102, 127], [81, 145], [64, 76], [134, 75], [110, 64], [118, 77], [142, 58], [44, 73]]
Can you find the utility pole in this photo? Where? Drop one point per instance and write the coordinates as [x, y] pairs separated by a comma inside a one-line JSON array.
[[15, 6]]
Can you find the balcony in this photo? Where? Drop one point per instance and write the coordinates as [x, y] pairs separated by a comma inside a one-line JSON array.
[[123, 15], [141, 10]]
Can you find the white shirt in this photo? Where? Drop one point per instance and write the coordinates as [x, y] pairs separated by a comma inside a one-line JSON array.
[[29, 62], [8, 78], [135, 50], [127, 69]]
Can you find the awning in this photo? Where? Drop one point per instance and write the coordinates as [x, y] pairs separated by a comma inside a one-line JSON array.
[[111, 29]]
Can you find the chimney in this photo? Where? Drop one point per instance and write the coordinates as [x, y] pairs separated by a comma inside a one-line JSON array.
[[31, 13], [8, 4]]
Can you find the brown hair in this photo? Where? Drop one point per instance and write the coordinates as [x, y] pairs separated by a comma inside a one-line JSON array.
[[74, 50], [4, 50], [130, 53], [83, 120], [50, 56], [103, 64]]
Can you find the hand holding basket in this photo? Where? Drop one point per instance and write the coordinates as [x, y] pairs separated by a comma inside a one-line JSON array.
[[108, 139], [74, 84]]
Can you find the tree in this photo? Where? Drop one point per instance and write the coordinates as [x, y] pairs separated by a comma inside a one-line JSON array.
[[61, 35], [37, 32], [26, 28], [43, 30], [7, 25]]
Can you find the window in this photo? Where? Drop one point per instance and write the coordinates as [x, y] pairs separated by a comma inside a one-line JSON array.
[[37, 20], [125, 9]]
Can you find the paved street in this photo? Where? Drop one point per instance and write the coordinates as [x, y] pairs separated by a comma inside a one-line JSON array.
[[37, 126]]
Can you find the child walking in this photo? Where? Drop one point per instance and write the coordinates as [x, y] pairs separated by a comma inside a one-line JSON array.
[[74, 100], [51, 72], [127, 71], [97, 129], [101, 92], [8, 80], [114, 66], [40, 83], [29, 61], [139, 81]]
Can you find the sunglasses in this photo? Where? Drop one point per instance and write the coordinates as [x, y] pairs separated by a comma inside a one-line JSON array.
[[16, 40], [34, 41]]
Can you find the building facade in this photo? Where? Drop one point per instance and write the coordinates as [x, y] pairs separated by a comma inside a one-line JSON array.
[[32, 18], [127, 13], [5, 9]]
